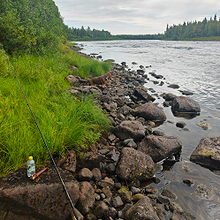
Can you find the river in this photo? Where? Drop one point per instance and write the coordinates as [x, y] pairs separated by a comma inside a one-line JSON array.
[[195, 67]]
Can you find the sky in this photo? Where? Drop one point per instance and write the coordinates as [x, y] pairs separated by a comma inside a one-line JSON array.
[[134, 17]]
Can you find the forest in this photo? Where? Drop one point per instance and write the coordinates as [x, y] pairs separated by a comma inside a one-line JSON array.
[[201, 29]]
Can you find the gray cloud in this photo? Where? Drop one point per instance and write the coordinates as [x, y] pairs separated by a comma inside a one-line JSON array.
[[134, 17]]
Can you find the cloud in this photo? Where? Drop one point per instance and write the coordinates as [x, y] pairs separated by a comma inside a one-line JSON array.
[[137, 17]]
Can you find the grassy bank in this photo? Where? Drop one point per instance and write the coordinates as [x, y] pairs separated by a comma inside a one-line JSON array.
[[65, 121]]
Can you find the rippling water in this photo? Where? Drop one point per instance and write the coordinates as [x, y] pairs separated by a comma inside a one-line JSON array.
[[195, 67]]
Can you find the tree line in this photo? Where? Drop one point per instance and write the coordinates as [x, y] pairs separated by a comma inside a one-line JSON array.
[[200, 29]]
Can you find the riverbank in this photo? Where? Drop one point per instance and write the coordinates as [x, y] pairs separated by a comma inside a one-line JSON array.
[[99, 193]]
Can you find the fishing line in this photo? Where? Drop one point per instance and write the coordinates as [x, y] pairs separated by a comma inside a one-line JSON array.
[[64, 186]]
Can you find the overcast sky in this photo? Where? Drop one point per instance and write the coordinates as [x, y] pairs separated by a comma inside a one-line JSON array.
[[134, 17]]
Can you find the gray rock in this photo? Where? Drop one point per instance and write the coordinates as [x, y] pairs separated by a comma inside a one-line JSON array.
[[97, 175], [207, 153], [134, 164], [141, 210], [159, 147], [130, 129], [181, 124], [150, 111]]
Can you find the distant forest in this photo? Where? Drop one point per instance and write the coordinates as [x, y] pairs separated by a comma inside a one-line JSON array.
[[206, 29], [200, 29]]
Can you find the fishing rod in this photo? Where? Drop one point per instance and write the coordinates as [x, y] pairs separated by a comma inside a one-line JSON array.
[[64, 186]]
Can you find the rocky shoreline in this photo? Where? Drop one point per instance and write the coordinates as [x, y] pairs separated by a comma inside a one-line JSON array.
[[106, 182]]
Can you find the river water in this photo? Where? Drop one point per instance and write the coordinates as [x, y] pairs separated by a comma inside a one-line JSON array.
[[195, 67]]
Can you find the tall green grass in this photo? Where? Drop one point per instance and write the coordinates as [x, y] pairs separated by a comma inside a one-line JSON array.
[[65, 121]]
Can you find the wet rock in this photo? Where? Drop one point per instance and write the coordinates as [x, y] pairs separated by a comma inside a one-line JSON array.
[[204, 125], [184, 92], [169, 194], [43, 200], [188, 182], [169, 96], [130, 129], [141, 210], [182, 215], [150, 111], [134, 164], [137, 197], [182, 104], [86, 200], [143, 95], [158, 133], [181, 124], [151, 190], [207, 153], [85, 175], [173, 86], [159, 147], [202, 191]]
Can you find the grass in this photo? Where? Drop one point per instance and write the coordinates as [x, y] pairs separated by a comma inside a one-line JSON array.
[[66, 122]]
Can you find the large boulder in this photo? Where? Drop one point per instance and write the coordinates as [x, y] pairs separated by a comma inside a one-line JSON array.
[[159, 147], [141, 210], [130, 129], [134, 164], [150, 111], [207, 153], [44, 200], [185, 105]]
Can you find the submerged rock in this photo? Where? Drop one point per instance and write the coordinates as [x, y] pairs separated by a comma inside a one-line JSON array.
[[207, 153]]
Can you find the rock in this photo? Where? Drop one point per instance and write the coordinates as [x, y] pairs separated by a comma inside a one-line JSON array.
[[150, 111], [130, 129], [125, 110], [151, 190], [141, 210], [207, 153], [86, 200], [100, 209], [204, 125], [90, 160], [188, 182], [169, 194], [43, 200], [143, 95], [137, 197], [117, 202], [159, 147], [134, 164], [111, 213], [135, 190], [173, 86], [97, 175], [183, 104], [130, 143], [85, 175], [110, 168], [106, 182], [158, 133], [181, 124], [70, 163], [182, 215], [169, 96]]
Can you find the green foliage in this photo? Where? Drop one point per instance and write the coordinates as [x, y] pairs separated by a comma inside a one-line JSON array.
[[203, 29], [30, 26], [65, 121]]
